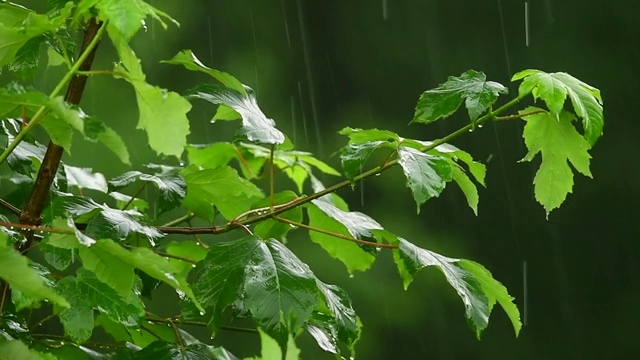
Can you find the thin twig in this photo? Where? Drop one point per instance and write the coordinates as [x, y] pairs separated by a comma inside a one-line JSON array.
[[11, 208], [144, 184], [243, 161], [151, 332], [271, 176], [161, 253], [518, 116], [199, 323], [179, 220], [35, 228], [177, 332], [340, 236], [43, 320]]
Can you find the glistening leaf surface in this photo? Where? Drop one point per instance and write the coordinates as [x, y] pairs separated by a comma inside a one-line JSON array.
[[255, 125], [189, 60], [410, 258], [161, 350], [559, 143], [472, 87], [426, 174], [171, 185], [554, 88], [324, 215]]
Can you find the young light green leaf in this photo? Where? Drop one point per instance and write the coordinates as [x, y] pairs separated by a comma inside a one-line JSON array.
[[162, 112], [426, 174], [59, 258], [410, 258], [127, 16], [189, 60], [211, 156], [20, 24], [190, 250], [25, 64], [559, 143], [153, 264], [221, 187], [17, 350], [137, 204], [494, 291], [354, 156], [553, 88], [108, 268], [22, 301], [85, 178], [72, 239], [15, 270], [171, 185], [472, 87], [324, 215], [467, 186], [96, 130], [255, 125], [271, 349], [361, 136]]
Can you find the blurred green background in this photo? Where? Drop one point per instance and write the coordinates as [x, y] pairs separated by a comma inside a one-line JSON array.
[[318, 66]]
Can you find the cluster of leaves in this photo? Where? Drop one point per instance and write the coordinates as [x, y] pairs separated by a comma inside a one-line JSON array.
[[102, 260]]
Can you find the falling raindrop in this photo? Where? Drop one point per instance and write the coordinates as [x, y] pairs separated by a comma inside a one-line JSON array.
[[286, 23], [255, 46], [210, 40], [307, 65], [470, 130], [480, 126], [304, 118], [526, 22], [385, 10], [181, 163], [201, 313], [524, 295]]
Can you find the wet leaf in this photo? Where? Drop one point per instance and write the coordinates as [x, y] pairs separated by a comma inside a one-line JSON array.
[[494, 291], [211, 156], [127, 16], [553, 88], [271, 349], [341, 317], [255, 125], [472, 87], [559, 143], [324, 215], [171, 185], [426, 174], [163, 113], [85, 178], [189, 60], [221, 187], [15, 270], [410, 258], [171, 350]]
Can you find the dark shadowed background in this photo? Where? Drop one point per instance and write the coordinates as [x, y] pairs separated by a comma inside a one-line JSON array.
[[318, 66]]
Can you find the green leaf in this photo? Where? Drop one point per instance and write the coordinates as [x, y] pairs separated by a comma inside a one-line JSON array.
[[279, 289], [160, 350], [219, 278], [553, 88], [212, 156], [17, 350], [426, 174], [221, 187], [134, 203], [354, 156], [22, 301], [108, 268], [86, 293], [85, 178], [26, 61], [324, 215], [15, 270], [341, 318], [360, 136], [96, 130], [188, 250], [494, 291], [162, 112], [57, 257], [224, 112], [18, 25], [189, 60], [171, 185], [78, 319], [559, 143], [255, 125], [444, 100], [127, 16], [270, 349], [275, 286], [274, 229], [153, 264], [410, 258], [467, 186]]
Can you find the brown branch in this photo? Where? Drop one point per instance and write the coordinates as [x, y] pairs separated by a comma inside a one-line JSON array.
[[339, 236], [49, 167]]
